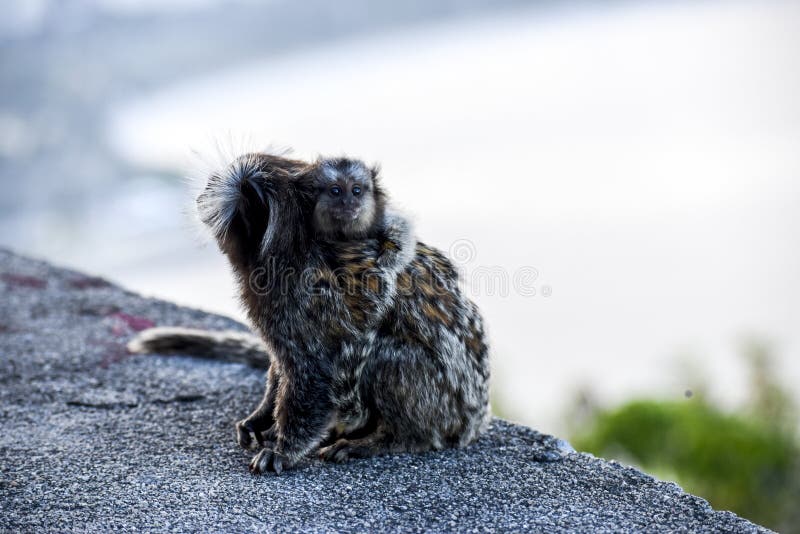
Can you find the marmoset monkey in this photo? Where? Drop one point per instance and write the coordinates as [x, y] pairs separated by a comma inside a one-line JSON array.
[[372, 347], [350, 201]]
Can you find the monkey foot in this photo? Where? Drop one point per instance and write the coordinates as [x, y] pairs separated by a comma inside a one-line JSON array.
[[247, 436], [339, 452], [268, 460], [344, 449]]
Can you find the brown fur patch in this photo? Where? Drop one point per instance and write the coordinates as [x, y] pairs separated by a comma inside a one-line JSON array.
[[434, 313], [373, 284]]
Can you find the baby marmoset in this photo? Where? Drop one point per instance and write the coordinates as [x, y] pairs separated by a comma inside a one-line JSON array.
[[351, 212], [396, 362], [350, 202]]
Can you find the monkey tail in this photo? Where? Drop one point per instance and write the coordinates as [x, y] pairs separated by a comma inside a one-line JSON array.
[[225, 346]]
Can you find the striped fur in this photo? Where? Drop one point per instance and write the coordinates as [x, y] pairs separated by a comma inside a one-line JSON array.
[[372, 346]]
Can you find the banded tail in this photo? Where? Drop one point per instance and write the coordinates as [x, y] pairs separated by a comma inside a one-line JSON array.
[[224, 345]]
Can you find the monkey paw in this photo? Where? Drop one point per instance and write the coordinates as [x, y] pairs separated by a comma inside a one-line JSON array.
[[339, 452], [247, 435], [268, 460]]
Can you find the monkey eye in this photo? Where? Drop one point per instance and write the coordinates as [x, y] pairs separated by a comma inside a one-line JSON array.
[[336, 191], [356, 190]]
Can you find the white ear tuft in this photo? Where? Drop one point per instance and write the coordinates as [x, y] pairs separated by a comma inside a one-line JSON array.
[[220, 158]]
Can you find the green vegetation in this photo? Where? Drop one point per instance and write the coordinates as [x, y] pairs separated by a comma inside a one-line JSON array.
[[745, 462]]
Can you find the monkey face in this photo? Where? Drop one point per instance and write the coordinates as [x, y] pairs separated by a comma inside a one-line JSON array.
[[345, 203]]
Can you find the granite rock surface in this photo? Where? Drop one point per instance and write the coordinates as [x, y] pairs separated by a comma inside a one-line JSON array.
[[94, 438]]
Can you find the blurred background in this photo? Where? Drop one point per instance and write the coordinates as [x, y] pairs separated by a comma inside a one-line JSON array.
[[619, 182]]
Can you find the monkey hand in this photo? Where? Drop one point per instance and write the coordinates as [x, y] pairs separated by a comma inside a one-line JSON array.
[[247, 435], [268, 460]]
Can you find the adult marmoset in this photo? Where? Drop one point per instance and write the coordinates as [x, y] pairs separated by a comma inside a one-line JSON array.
[[372, 347]]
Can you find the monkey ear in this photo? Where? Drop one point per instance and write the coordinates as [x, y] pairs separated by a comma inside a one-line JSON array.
[[378, 191], [375, 171]]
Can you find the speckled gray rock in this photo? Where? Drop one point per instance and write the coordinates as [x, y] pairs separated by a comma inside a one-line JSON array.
[[96, 439]]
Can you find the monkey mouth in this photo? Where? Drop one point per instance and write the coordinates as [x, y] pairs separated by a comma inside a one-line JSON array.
[[348, 215]]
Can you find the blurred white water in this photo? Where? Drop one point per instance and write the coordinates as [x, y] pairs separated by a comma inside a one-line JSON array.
[[643, 158]]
